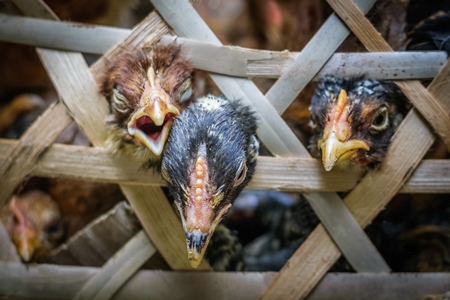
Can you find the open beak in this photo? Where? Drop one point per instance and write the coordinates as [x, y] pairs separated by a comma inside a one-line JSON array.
[[336, 145], [152, 122]]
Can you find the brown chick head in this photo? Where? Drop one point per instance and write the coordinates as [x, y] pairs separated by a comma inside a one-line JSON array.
[[33, 222], [147, 89], [353, 121]]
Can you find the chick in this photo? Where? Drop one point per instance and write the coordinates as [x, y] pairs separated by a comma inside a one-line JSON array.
[[146, 89], [353, 121], [209, 158], [33, 223]]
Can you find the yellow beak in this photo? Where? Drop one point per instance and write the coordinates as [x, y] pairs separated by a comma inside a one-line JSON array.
[[336, 145], [152, 122]]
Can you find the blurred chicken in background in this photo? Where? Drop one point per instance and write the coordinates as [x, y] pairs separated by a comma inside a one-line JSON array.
[[33, 221]]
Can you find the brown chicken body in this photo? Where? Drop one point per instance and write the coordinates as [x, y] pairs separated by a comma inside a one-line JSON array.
[[146, 89]]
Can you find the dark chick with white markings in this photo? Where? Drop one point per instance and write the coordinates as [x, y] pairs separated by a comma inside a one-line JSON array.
[[353, 121], [210, 157], [147, 89]]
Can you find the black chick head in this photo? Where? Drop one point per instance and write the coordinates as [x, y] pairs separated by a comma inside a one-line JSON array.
[[146, 89], [353, 121], [209, 158]]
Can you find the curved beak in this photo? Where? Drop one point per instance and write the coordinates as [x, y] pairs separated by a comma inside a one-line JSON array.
[[335, 151], [336, 144], [152, 122]]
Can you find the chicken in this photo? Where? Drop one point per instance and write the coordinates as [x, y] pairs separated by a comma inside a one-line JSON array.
[[147, 89], [209, 158], [33, 223], [286, 221], [353, 121]]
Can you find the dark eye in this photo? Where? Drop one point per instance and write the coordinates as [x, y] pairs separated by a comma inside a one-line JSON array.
[[381, 119], [240, 175]]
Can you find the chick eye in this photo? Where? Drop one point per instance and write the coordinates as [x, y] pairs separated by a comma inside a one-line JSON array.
[[381, 120], [240, 175]]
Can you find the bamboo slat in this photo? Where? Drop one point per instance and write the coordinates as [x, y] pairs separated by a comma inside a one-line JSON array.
[[330, 213], [118, 270], [243, 62], [95, 244], [67, 36], [62, 282], [227, 60], [431, 109], [283, 174], [187, 23]]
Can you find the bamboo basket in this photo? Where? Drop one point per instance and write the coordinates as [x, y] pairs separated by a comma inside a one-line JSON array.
[[291, 169]]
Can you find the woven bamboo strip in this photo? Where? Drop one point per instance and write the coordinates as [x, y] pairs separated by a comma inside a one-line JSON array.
[[116, 271], [227, 60], [62, 282], [187, 23], [433, 110], [282, 174]]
